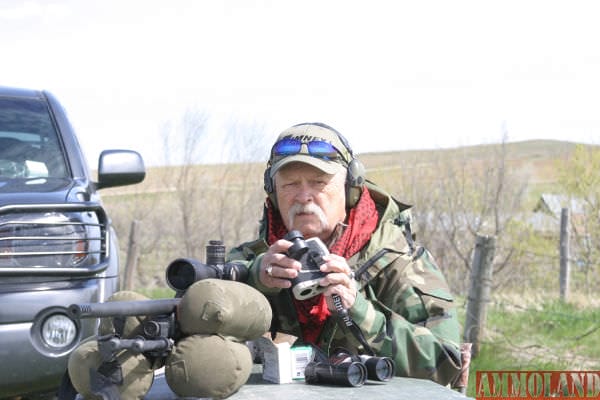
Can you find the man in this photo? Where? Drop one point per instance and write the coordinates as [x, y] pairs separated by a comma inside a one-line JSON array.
[[392, 289]]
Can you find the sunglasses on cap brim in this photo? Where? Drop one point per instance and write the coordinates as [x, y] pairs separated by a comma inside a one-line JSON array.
[[316, 148]]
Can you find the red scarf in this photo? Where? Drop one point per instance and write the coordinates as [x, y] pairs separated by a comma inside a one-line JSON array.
[[362, 221]]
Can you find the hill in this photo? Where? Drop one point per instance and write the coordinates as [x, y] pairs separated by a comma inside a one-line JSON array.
[[536, 158]]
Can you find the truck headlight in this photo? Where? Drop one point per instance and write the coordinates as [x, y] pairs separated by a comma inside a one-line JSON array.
[[51, 240]]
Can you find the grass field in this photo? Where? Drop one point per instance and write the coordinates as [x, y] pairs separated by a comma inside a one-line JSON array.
[[538, 334]]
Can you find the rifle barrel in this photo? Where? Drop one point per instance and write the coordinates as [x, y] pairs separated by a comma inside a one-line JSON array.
[[123, 308]]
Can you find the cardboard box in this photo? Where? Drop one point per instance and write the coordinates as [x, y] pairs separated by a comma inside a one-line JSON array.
[[283, 363]]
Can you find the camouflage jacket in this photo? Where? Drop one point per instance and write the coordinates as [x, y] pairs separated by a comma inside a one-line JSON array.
[[404, 306]]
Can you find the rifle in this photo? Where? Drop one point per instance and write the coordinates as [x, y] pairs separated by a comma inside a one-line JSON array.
[[158, 331]]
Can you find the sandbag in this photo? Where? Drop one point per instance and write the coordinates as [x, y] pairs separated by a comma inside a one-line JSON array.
[[207, 366], [228, 308], [136, 370], [133, 324]]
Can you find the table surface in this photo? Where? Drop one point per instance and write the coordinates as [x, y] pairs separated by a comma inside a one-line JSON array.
[[257, 388]]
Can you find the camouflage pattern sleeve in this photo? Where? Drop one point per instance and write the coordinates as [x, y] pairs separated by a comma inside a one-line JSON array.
[[407, 313]]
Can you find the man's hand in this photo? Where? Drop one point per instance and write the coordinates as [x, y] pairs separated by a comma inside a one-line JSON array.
[[276, 268], [339, 280]]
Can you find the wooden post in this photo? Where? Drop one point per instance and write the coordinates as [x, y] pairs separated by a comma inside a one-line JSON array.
[[479, 291], [564, 254], [133, 255]]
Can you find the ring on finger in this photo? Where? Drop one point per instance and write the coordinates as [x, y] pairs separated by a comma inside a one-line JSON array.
[[269, 270]]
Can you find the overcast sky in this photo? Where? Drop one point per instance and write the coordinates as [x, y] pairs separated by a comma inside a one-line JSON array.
[[390, 75]]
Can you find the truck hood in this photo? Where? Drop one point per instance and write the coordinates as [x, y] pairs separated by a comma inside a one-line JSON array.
[[37, 191]]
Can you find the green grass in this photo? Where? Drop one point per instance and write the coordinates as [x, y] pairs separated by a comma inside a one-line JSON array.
[[537, 335], [157, 292]]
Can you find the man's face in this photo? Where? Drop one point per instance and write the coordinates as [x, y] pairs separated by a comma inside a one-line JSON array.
[[304, 192]]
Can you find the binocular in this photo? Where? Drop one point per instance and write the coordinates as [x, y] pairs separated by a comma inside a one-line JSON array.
[[344, 369]]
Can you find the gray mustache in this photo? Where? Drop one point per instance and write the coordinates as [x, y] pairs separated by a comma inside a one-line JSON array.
[[310, 208]]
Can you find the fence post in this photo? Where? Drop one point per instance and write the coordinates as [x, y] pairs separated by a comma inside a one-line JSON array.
[[479, 290], [133, 255], [564, 254]]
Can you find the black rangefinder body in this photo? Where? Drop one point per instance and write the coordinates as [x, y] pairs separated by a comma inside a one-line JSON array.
[[310, 253]]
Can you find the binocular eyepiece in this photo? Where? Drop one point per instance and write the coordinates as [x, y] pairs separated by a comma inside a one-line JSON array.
[[183, 272]]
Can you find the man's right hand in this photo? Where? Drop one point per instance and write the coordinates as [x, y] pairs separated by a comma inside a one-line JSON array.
[[276, 268]]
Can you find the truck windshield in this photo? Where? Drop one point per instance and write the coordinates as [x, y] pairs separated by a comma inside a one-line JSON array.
[[29, 145]]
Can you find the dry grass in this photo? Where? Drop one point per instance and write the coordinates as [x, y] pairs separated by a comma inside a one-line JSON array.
[[537, 158]]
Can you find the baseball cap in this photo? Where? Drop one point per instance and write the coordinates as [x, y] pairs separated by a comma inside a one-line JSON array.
[[312, 143]]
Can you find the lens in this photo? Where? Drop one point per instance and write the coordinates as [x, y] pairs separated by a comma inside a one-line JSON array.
[[379, 368], [322, 149], [356, 374], [316, 148], [181, 273], [287, 147], [58, 331]]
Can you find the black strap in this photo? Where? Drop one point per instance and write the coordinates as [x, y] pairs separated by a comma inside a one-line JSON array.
[[345, 316], [407, 231], [369, 263]]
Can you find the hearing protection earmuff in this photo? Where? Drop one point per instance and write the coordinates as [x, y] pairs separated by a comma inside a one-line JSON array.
[[355, 173]]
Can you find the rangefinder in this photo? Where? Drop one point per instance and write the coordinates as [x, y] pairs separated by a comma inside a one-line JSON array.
[[310, 253]]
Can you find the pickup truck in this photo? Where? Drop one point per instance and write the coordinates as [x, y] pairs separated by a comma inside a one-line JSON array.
[[57, 244]]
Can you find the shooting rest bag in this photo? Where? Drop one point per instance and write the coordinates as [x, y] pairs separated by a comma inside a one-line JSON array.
[[132, 325], [136, 371], [227, 308], [207, 366]]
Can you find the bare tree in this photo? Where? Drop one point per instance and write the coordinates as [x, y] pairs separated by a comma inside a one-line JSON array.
[[214, 201], [471, 199], [183, 151], [242, 200]]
